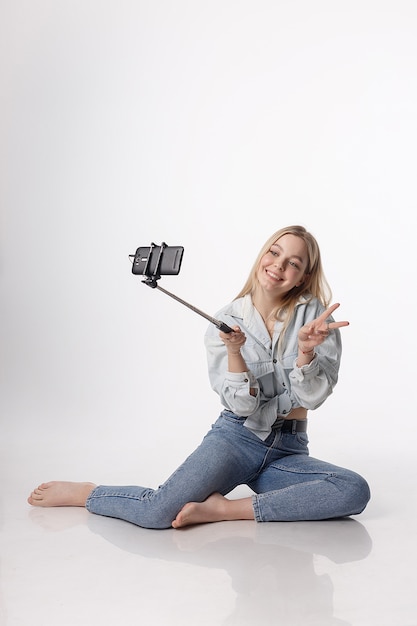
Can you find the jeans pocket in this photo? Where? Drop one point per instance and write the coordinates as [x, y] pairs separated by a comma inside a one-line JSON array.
[[294, 444], [302, 439]]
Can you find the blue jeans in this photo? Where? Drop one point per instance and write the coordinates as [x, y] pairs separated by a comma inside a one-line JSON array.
[[289, 485]]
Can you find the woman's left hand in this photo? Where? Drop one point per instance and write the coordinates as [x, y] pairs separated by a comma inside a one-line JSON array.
[[314, 333]]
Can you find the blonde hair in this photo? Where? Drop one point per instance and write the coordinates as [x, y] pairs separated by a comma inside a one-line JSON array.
[[314, 285]]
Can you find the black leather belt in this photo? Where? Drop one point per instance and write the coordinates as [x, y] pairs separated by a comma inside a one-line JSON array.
[[292, 426]]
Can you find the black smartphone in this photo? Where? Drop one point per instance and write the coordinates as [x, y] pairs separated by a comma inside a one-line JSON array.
[[158, 260], [155, 261]]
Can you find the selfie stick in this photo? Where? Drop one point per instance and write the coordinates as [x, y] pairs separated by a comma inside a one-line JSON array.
[[151, 281], [220, 325]]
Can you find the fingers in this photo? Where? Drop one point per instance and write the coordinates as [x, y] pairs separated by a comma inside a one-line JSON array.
[[337, 324], [236, 338], [319, 329], [225, 336], [327, 313]]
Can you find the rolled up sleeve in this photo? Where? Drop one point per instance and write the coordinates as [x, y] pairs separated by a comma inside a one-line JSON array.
[[233, 388], [235, 393], [311, 384]]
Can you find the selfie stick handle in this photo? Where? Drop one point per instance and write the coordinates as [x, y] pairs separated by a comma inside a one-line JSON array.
[[220, 325]]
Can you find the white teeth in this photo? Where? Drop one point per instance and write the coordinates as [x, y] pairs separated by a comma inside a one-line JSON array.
[[273, 275]]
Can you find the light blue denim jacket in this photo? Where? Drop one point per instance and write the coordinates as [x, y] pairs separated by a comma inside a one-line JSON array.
[[280, 384]]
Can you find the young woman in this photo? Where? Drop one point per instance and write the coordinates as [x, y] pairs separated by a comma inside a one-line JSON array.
[[281, 360]]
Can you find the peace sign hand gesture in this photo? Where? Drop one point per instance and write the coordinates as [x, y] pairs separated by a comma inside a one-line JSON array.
[[314, 333]]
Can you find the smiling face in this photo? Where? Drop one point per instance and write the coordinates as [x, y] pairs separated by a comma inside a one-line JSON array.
[[283, 266]]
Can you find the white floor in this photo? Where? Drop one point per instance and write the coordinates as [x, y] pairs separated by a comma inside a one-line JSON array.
[[65, 567]]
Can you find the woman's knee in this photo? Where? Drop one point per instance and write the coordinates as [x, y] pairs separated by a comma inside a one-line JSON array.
[[357, 492]]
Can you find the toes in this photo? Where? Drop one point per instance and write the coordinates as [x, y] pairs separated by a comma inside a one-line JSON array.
[[35, 496]]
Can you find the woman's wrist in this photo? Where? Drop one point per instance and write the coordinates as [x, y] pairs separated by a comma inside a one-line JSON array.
[[305, 356], [306, 352]]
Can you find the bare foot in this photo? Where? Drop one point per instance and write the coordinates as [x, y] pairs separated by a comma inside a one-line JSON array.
[[61, 493], [216, 508], [211, 510]]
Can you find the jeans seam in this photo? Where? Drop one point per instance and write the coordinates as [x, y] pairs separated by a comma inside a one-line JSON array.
[[113, 494], [256, 509], [270, 450], [89, 498]]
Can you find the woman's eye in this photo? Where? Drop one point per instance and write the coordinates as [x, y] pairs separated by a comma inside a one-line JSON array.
[[293, 264], [273, 252]]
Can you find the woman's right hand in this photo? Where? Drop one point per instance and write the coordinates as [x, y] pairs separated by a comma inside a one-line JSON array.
[[233, 341]]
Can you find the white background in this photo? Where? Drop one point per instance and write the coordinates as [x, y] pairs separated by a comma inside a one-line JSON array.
[[208, 125]]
